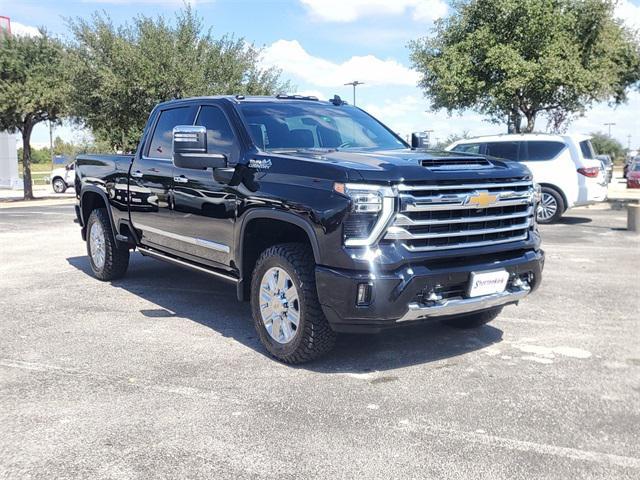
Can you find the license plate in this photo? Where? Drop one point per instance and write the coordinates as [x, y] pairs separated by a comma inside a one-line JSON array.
[[486, 283]]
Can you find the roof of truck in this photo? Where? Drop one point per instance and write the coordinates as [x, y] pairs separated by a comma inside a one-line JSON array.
[[260, 99]]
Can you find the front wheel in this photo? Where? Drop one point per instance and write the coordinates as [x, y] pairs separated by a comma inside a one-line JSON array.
[[109, 260], [284, 302], [59, 186], [473, 320], [551, 206]]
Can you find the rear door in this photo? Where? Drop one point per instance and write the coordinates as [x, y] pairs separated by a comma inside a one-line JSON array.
[[151, 179], [205, 210]]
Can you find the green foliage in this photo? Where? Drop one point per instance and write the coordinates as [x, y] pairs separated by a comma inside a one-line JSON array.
[[510, 59], [33, 88], [120, 73], [604, 144], [38, 155]]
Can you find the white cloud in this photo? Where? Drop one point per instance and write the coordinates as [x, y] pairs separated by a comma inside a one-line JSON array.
[[350, 10], [20, 30], [295, 60], [629, 13]]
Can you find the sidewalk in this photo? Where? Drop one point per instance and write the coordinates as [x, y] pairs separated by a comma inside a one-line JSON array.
[[43, 193]]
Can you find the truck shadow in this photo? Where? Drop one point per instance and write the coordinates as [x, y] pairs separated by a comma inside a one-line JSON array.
[[212, 303]]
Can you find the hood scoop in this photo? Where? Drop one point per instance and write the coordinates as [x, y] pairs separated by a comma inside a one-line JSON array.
[[456, 163]]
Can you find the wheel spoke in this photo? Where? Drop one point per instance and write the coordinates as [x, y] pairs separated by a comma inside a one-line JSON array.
[[287, 332], [276, 327], [282, 278], [293, 316]]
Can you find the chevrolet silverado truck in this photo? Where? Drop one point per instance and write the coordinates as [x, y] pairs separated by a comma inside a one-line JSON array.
[[323, 218]]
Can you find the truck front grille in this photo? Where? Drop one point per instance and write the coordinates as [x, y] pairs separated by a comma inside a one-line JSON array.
[[448, 215]]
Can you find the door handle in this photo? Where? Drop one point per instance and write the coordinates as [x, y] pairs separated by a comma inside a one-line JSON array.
[[181, 179], [136, 174]]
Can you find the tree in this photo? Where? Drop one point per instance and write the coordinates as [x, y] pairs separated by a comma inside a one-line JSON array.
[[120, 73], [33, 89], [603, 143], [510, 59]]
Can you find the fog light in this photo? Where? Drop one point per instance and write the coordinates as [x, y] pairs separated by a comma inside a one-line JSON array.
[[364, 294]]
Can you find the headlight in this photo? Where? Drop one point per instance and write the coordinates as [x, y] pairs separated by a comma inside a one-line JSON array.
[[373, 207]]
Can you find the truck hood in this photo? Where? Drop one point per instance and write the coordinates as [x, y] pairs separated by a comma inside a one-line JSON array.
[[406, 165]]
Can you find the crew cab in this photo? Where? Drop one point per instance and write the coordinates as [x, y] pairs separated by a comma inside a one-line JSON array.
[[323, 218]]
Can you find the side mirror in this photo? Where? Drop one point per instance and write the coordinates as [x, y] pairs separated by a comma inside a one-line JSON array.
[[420, 140], [190, 149]]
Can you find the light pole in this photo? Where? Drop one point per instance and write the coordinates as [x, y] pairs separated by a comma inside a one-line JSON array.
[[609, 125], [355, 83]]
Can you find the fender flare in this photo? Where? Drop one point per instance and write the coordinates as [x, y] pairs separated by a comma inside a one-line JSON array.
[[105, 199], [269, 213]]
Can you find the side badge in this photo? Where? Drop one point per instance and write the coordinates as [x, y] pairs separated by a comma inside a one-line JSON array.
[[260, 164]]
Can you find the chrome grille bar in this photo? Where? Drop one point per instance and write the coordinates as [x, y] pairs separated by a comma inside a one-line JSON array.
[[404, 220], [399, 233], [483, 243], [413, 207], [464, 186]]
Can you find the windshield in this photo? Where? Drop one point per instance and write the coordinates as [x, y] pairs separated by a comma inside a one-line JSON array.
[[297, 126], [636, 167]]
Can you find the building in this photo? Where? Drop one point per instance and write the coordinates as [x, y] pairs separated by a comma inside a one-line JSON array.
[[8, 154]]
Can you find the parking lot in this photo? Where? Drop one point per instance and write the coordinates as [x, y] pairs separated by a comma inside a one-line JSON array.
[[160, 375]]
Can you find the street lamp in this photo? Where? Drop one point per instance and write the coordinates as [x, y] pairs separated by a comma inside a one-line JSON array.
[[609, 125], [355, 83]]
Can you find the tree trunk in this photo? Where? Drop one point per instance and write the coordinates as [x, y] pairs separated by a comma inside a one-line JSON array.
[[531, 121], [26, 161]]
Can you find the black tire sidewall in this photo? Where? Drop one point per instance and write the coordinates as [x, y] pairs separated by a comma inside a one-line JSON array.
[[277, 349], [559, 202], [56, 182]]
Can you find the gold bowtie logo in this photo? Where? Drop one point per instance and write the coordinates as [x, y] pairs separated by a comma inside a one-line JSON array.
[[481, 199]]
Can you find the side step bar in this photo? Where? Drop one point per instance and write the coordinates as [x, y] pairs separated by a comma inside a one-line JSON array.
[[183, 263]]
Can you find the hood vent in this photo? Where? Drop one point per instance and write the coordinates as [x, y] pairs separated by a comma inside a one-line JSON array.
[[456, 163]]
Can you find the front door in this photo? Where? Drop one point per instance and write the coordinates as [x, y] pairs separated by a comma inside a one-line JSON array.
[[204, 209], [151, 180]]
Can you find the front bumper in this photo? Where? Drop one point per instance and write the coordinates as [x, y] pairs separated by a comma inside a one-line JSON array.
[[402, 296]]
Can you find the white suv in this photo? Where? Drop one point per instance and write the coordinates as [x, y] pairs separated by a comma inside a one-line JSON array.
[[63, 178], [565, 167]]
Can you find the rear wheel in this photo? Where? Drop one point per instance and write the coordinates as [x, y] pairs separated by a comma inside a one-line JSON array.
[[284, 302], [59, 186], [473, 320], [551, 206], [109, 260]]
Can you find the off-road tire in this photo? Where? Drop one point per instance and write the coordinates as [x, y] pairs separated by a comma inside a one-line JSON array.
[[561, 207], [58, 185], [314, 337], [116, 256], [473, 320]]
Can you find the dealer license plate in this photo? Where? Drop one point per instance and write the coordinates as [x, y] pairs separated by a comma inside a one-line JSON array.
[[486, 283]]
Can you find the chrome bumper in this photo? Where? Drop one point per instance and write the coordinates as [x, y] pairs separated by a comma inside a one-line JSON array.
[[460, 306]]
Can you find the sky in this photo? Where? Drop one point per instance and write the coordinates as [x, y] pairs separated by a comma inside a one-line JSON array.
[[322, 44]]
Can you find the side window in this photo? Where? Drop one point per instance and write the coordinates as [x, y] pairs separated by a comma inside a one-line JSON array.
[[219, 134], [467, 148], [161, 142], [587, 149], [543, 150], [505, 150]]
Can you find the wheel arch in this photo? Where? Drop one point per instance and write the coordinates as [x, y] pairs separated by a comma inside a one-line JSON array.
[[92, 198], [560, 192], [275, 227]]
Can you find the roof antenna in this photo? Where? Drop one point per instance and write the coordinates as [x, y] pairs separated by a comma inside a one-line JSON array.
[[336, 100]]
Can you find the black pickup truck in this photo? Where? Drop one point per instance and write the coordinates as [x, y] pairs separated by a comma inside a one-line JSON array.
[[325, 219]]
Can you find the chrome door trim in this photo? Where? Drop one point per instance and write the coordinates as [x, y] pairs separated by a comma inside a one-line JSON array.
[[200, 242]]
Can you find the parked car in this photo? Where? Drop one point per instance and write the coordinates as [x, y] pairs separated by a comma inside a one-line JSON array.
[[607, 166], [633, 175], [627, 164], [63, 178], [322, 217], [564, 166]]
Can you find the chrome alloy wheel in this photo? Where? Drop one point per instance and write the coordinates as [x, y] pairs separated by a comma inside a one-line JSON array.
[[97, 244], [548, 207], [58, 185], [279, 305]]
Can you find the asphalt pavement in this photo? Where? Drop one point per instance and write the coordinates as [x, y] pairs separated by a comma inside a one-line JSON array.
[[160, 374]]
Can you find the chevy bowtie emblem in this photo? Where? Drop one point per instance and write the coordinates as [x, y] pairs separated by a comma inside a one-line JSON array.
[[481, 199]]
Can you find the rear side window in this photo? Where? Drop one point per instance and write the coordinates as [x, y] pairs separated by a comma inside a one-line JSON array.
[[219, 134], [543, 150], [587, 149], [506, 150], [161, 142], [467, 148]]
